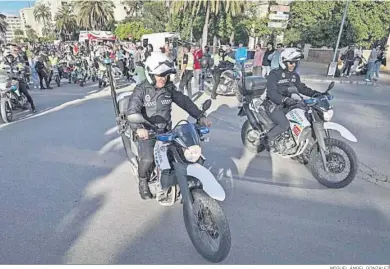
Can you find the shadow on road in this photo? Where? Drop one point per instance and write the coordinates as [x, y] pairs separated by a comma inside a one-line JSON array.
[[271, 228], [49, 199]]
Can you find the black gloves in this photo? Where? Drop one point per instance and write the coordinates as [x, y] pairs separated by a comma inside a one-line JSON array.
[[290, 101]]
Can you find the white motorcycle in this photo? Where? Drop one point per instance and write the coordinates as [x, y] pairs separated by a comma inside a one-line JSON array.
[[308, 140], [178, 172]]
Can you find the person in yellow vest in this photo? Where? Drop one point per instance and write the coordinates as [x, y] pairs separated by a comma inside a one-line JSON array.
[[53, 60], [187, 71]]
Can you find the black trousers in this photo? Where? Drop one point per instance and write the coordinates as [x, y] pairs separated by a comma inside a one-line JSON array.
[[23, 90], [217, 77], [278, 116], [145, 156], [186, 82], [43, 76], [347, 67]]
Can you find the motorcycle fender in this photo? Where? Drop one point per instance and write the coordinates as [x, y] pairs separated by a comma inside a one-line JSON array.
[[209, 182], [341, 129]]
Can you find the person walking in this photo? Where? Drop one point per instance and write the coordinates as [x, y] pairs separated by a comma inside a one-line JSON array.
[[266, 62], [274, 57], [198, 54], [349, 58], [371, 63], [378, 63], [258, 61], [187, 71]]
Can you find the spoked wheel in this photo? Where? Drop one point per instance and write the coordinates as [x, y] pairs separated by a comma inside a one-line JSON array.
[[207, 227], [249, 138], [6, 111], [341, 161]]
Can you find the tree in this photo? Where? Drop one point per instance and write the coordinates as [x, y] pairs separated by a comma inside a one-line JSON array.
[[65, 21], [95, 15], [318, 22], [3, 24], [42, 13], [133, 7], [211, 7], [134, 29], [18, 33], [31, 34], [155, 16]]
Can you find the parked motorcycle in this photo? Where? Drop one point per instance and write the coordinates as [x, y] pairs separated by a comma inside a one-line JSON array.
[[228, 84], [307, 139]]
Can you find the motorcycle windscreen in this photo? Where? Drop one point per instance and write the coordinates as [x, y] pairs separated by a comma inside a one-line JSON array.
[[188, 134], [324, 103]]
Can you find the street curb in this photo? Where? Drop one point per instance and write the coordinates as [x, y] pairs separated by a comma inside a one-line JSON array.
[[357, 82]]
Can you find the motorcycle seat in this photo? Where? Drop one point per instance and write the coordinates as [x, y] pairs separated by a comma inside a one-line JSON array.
[[255, 85]]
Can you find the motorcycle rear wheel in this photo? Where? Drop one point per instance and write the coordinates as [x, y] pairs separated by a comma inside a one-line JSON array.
[[215, 225], [250, 145]]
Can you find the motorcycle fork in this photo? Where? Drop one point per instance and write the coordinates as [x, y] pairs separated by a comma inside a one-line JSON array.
[[321, 134]]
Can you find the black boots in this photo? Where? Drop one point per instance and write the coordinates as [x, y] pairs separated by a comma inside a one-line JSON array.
[[144, 188]]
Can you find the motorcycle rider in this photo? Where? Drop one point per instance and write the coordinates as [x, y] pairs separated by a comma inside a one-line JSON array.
[[278, 98], [226, 62], [10, 60], [153, 99]]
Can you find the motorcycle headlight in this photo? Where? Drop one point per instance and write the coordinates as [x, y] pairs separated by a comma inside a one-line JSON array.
[[328, 115], [192, 153]]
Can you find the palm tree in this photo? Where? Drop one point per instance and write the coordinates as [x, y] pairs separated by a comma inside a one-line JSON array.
[[3, 24], [65, 20], [133, 7], [30, 33], [211, 6], [95, 15], [42, 13]]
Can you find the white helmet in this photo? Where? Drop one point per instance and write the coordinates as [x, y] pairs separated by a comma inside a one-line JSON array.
[[158, 64], [290, 55]]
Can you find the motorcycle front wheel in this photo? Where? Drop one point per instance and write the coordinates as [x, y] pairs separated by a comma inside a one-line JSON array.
[[58, 81], [207, 227], [6, 111], [339, 157]]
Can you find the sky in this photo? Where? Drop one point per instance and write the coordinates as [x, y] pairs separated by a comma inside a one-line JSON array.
[[13, 7]]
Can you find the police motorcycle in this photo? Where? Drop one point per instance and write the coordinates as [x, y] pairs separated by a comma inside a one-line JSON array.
[[308, 139], [10, 96], [178, 174], [79, 72]]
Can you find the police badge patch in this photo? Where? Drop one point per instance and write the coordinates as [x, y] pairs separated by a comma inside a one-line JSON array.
[[283, 75], [147, 98]]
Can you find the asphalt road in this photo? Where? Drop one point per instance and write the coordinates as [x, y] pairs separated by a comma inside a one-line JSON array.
[[67, 195]]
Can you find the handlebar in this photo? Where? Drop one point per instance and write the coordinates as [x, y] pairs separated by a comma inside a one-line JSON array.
[[313, 101]]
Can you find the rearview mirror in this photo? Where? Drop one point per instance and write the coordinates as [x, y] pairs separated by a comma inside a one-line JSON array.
[[292, 89], [206, 105], [331, 85], [242, 59], [136, 118]]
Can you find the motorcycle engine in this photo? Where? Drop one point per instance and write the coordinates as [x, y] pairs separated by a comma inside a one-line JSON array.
[[285, 143]]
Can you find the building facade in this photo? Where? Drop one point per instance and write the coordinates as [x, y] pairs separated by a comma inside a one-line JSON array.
[[14, 22], [28, 19]]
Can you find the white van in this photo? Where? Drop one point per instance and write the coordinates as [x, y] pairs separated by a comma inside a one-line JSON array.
[[158, 40]]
